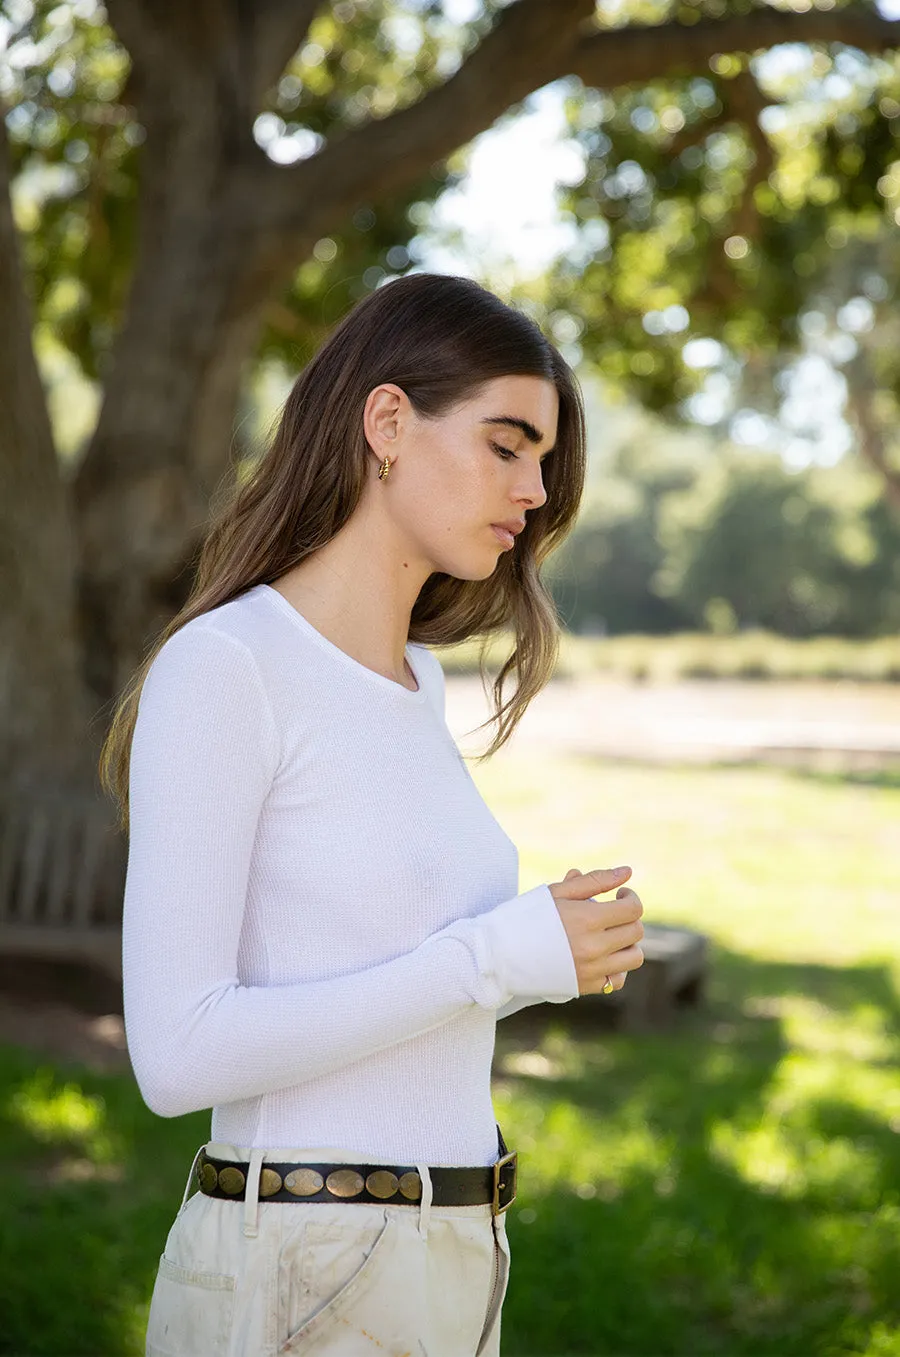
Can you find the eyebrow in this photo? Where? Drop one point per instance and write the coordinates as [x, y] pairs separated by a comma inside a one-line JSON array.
[[513, 422]]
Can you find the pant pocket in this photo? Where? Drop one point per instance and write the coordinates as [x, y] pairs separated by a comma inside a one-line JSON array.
[[191, 1313], [330, 1280]]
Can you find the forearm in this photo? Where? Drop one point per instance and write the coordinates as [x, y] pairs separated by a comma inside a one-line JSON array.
[[198, 1042]]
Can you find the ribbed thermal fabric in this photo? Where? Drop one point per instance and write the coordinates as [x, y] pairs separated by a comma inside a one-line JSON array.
[[321, 926]]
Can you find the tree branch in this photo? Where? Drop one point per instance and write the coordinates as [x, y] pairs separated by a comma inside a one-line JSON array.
[[632, 56], [532, 43], [277, 28]]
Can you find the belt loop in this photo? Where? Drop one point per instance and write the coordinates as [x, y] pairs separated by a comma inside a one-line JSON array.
[[187, 1186], [427, 1194], [251, 1193]]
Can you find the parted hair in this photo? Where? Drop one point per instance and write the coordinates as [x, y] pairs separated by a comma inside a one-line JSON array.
[[440, 338]]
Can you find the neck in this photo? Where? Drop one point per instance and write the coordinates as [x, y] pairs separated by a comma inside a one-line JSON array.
[[359, 591]]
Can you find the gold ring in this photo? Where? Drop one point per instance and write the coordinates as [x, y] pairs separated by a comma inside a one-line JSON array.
[[609, 986]]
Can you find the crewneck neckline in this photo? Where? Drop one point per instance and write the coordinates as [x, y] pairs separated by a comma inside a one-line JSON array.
[[361, 670]]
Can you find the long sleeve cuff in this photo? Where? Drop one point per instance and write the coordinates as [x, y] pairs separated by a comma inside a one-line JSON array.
[[530, 949]]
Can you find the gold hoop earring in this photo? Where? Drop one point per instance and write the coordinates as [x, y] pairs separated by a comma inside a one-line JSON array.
[[384, 469]]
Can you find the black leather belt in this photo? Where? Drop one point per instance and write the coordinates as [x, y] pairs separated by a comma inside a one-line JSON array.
[[399, 1185]]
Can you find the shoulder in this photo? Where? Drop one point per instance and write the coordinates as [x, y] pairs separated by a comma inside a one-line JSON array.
[[202, 645], [204, 692], [209, 665], [228, 638]]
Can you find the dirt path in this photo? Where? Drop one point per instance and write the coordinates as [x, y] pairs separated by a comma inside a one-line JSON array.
[[843, 724], [62, 1032]]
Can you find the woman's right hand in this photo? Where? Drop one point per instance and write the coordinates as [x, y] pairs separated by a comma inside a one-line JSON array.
[[603, 934]]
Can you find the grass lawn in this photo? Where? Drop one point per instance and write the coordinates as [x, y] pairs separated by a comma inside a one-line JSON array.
[[729, 1188]]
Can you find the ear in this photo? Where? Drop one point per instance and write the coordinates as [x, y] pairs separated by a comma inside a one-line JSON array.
[[384, 415]]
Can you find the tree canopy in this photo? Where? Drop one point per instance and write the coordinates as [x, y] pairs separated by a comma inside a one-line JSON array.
[[183, 190]]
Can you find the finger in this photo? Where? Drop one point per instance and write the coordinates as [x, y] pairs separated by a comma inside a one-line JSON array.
[[622, 935], [602, 879], [624, 909], [628, 959], [632, 900]]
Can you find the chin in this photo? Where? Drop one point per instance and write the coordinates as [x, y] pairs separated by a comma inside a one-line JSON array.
[[467, 570]]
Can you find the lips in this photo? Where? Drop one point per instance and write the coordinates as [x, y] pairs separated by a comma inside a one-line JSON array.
[[504, 535]]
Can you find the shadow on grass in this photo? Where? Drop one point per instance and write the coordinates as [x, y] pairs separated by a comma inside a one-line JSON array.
[[762, 1235]]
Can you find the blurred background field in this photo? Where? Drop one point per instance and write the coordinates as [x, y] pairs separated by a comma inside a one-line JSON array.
[[751, 654]]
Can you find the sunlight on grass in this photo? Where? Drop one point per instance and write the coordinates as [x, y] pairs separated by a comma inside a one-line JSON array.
[[774, 1156], [61, 1114], [579, 1147], [839, 1058], [816, 1027], [884, 1341]]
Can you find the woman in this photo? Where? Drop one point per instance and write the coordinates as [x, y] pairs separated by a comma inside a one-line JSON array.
[[321, 924]]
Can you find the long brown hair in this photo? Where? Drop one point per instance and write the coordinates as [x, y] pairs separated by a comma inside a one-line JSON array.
[[440, 338]]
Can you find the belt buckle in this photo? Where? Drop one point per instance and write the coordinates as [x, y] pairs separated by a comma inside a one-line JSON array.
[[510, 1158]]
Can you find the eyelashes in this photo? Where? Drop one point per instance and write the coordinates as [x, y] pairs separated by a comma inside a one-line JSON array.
[[505, 453]]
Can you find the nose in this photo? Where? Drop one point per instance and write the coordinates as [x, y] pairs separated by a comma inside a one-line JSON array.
[[532, 491]]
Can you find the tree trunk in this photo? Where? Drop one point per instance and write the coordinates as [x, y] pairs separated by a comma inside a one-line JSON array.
[[61, 860], [162, 444], [871, 438], [43, 711]]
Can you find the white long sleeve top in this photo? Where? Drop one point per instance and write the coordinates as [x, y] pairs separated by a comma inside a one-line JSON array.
[[321, 925]]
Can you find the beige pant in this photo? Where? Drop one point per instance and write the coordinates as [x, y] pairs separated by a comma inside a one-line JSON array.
[[350, 1279]]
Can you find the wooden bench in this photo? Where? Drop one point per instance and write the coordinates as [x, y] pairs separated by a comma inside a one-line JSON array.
[[676, 963], [62, 871]]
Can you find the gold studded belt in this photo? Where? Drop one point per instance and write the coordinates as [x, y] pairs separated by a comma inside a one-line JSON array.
[[401, 1186]]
